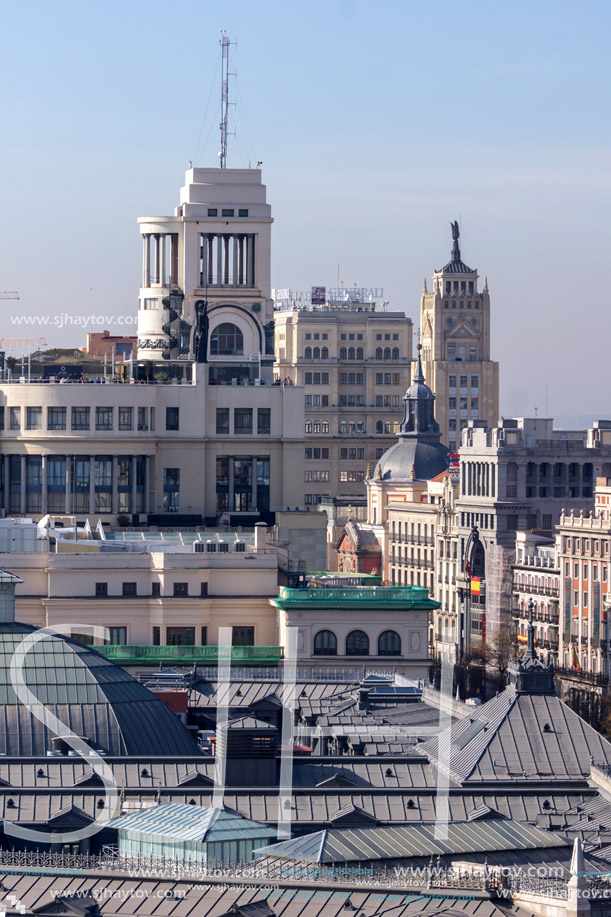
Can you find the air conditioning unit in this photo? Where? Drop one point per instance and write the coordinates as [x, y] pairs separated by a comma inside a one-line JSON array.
[[223, 547], [240, 547], [211, 547], [199, 547]]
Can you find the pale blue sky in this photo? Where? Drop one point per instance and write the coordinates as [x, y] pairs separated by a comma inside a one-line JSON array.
[[377, 124]]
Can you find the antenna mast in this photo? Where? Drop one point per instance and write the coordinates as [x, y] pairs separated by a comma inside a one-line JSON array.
[[225, 42]]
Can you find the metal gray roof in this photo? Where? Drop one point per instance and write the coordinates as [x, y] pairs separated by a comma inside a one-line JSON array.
[[520, 737], [311, 810], [191, 823], [153, 898], [345, 845], [92, 696]]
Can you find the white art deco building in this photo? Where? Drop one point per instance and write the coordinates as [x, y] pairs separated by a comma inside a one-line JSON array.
[[200, 431]]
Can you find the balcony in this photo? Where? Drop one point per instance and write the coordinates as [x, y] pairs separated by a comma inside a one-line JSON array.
[[590, 677], [183, 655], [537, 589]]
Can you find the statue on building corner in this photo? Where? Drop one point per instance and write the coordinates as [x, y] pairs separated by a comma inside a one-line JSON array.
[[200, 337]]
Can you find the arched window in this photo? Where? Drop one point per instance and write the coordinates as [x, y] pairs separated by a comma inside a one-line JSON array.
[[395, 426], [317, 426], [325, 643], [395, 353], [343, 426], [308, 353], [308, 426], [352, 427], [360, 426], [389, 644], [388, 426], [360, 353], [324, 353], [351, 353], [357, 643], [325, 426], [379, 426], [227, 340], [316, 353], [342, 353], [378, 353], [387, 353]]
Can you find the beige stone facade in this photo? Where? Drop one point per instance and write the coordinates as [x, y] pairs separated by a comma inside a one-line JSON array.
[[354, 362], [455, 337]]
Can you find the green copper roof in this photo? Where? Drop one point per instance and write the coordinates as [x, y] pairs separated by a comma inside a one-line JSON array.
[[398, 597]]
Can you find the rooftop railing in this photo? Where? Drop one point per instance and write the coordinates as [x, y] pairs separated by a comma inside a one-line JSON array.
[[181, 655]]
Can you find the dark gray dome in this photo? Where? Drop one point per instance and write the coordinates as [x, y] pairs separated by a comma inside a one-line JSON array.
[[419, 455], [95, 698], [409, 460]]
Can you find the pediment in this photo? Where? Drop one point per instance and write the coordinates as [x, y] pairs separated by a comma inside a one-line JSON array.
[[461, 330], [336, 780], [353, 815], [194, 778], [69, 817], [89, 778]]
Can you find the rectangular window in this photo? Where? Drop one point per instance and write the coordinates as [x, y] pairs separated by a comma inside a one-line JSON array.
[[473, 354], [130, 589], [33, 418], [242, 213], [475, 381], [155, 590], [213, 212], [103, 418], [125, 418], [80, 418], [379, 378], [396, 379], [308, 378], [264, 420], [181, 590], [156, 636], [242, 421], [149, 304], [451, 352], [171, 490], [172, 419], [15, 418], [101, 589], [243, 636], [222, 420], [203, 589], [204, 636], [118, 636], [180, 636], [227, 212], [142, 419]]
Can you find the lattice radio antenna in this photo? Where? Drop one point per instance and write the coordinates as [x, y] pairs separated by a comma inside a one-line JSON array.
[[225, 43]]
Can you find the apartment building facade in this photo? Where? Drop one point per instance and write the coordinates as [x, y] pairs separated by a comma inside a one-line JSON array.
[[354, 362]]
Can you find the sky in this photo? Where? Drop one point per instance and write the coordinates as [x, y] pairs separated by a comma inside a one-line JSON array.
[[377, 123]]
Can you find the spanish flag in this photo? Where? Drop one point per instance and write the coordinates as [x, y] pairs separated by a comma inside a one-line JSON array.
[[576, 665], [475, 585]]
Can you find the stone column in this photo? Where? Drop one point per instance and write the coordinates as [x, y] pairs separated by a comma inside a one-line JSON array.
[[115, 484], [162, 259], [44, 502], [147, 484], [68, 484], [204, 256], [241, 260], [22, 503], [157, 268], [210, 243], [146, 260], [219, 260], [254, 483], [91, 485], [226, 259], [174, 257], [250, 261], [234, 245], [134, 484]]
